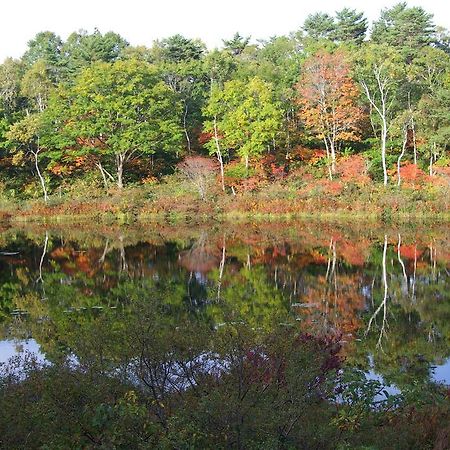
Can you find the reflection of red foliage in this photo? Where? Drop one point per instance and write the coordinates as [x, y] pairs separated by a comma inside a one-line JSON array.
[[410, 252], [354, 253], [202, 257], [198, 261]]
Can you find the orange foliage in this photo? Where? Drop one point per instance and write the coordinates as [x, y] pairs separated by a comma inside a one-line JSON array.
[[204, 138], [329, 98], [410, 252], [333, 305], [353, 168], [354, 252], [410, 173]]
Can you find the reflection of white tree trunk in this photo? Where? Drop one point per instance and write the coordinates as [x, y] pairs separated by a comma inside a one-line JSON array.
[[433, 255], [329, 259], [405, 278], [331, 280], [123, 261], [413, 290], [383, 304], [221, 267], [101, 261], [41, 262]]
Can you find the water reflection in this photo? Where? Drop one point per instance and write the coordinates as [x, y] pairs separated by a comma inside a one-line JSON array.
[[382, 292]]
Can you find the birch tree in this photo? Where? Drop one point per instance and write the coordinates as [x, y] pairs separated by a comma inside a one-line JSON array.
[[244, 117], [24, 136], [379, 76]]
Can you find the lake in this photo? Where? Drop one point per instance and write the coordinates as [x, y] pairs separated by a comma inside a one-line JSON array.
[[382, 291]]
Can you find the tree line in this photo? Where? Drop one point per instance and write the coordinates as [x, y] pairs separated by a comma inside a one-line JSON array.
[[94, 104]]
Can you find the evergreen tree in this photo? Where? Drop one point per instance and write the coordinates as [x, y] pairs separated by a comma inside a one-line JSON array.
[[351, 26]]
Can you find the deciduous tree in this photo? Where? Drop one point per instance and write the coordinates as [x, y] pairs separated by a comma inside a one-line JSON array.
[[380, 73], [329, 101], [122, 110], [243, 116]]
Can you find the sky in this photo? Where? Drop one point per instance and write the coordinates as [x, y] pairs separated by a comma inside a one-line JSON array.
[[141, 22]]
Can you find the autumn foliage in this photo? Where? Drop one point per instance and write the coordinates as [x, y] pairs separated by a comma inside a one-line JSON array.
[[328, 99]]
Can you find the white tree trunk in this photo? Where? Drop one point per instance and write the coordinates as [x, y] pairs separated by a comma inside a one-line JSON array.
[[333, 155], [382, 110], [383, 150], [330, 172], [120, 158], [219, 154], [188, 140], [405, 138], [41, 178], [103, 172], [413, 129]]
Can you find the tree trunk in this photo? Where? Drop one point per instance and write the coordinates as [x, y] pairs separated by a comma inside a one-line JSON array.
[[330, 173], [105, 180], [405, 138], [219, 153], [119, 162], [41, 178], [333, 156], [382, 110], [383, 150], [188, 140], [288, 136], [431, 163], [413, 129]]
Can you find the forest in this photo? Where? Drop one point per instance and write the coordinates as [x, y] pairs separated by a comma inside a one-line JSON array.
[[339, 116], [243, 247]]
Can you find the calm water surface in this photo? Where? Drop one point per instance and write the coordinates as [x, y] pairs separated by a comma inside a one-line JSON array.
[[383, 291]]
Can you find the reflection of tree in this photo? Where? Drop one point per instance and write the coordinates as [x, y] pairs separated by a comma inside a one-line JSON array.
[[331, 298], [383, 304], [201, 257], [418, 338], [400, 260], [327, 281], [221, 268], [250, 295], [41, 262]]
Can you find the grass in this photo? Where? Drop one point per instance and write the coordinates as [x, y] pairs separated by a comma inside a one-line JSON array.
[[174, 200]]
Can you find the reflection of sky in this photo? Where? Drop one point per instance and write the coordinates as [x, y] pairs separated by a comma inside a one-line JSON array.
[[10, 348], [391, 389], [442, 373]]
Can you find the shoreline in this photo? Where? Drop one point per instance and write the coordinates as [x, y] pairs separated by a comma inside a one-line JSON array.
[[126, 218]]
